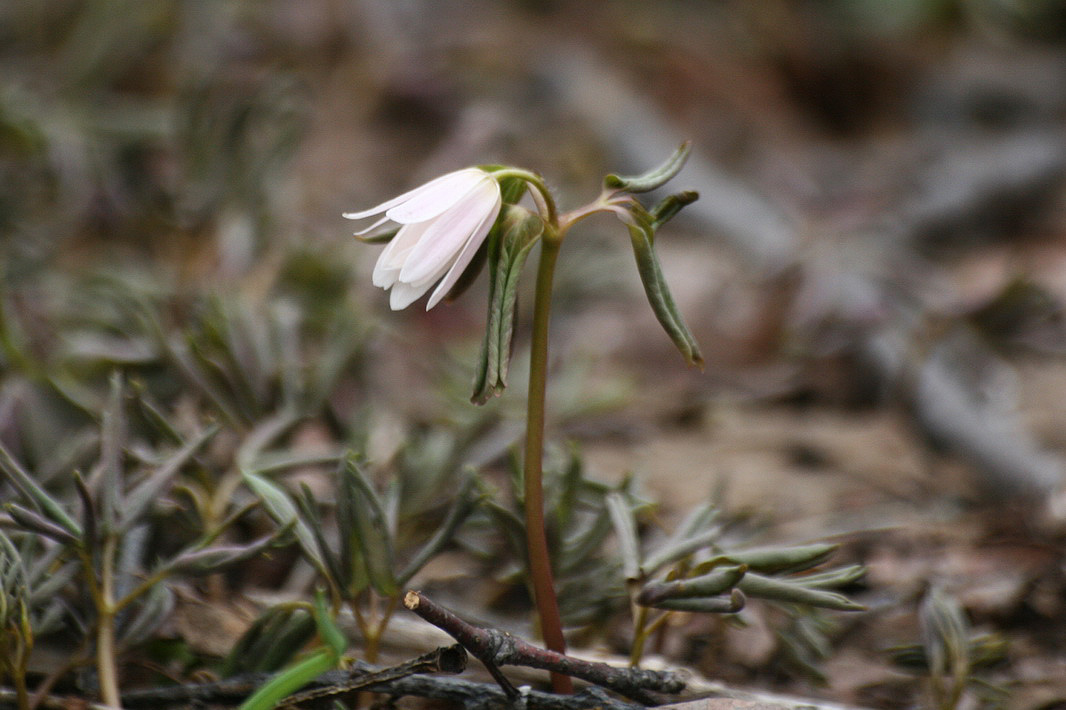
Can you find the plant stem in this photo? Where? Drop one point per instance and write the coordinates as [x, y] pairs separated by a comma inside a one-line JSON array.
[[540, 571], [105, 632]]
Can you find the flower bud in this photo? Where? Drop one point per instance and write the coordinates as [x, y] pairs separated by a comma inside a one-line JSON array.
[[442, 225]]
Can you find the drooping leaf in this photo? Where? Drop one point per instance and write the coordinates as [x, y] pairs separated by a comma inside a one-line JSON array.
[[658, 293], [517, 231], [668, 208], [654, 178]]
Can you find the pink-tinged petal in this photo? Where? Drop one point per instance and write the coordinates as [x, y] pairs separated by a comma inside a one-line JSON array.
[[392, 257], [432, 184], [403, 295], [449, 233], [436, 197], [465, 256]]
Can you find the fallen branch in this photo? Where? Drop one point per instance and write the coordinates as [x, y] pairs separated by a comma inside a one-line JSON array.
[[498, 648], [468, 694]]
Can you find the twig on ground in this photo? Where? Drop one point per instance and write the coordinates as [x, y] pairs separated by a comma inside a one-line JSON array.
[[450, 659], [501, 649], [469, 694]]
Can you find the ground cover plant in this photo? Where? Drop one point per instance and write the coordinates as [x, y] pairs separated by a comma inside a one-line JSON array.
[[231, 473]]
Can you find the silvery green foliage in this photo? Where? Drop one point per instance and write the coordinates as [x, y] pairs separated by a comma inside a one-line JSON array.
[[69, 545], [607, 556], [953, 656], [16, 628]]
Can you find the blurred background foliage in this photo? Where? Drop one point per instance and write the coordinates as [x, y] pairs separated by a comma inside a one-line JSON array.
[[880, 239]]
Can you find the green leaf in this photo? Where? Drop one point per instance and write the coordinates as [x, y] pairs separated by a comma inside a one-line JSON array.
[[34, 494], [142, 497], [773, 560], [755, 585], [514, 236], [328, 630], [208, 560], [309, 509], [840, 577], [625, 527], [658, 293], [653, 179], [364, 519], [322, 659], [39, 525], [704, 585], [112, 438], [281, 508], [671, 205], [271, 641], [706, 605], [291, 679], [945, 635]]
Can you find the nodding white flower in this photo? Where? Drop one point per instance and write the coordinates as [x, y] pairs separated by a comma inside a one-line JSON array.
[[442, 224]]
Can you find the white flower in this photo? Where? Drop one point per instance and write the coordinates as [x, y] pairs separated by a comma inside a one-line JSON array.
[[442, 224]]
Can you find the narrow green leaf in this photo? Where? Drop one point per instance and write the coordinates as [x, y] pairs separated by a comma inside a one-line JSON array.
[[654, 178], [658, 293], [625, 527], [370, 527], [830, 579], [514, 236], [773, 560], [704, 585], [309, 509], [208, 560], [147, 491], [34, 495], [112, 437], [708, 605], [945, 634], [676, 550], [271, 641], [328, 630], [755, 585], [281, 508], [39, 525], [291, 679], [668, 208]]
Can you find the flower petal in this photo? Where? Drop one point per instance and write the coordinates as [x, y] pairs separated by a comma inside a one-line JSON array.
[[392, 257], [449, 233], [466, 255], [436, 197], [403, 295], [414, 193]]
